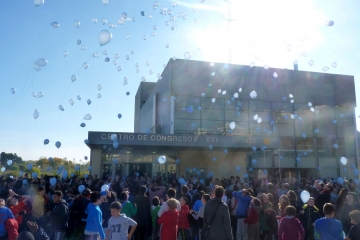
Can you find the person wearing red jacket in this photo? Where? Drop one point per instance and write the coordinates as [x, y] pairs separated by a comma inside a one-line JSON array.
[[12, 228], [169, 221], [290, 227], [253, 219], [184, 226]]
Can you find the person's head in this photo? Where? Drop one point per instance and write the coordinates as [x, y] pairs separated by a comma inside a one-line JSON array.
[[12, 201], [290, 211], [2, 202], [205, 198], [95, 198], [142, 189], [264, 198], [172, 204], [352, 198], [291, 195], [236, 188], [184, 189], [41, 191], [115, 209], [355, 217], [171, 193], [86, 192], [328, 187], [124, 196], [329, 210], [219, 192], [57, 196], [284, 200], [183, 201], [255, 202], [155, 201], [311, 202]]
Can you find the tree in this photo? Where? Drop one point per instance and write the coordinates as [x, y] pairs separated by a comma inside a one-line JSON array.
[[9, 156]]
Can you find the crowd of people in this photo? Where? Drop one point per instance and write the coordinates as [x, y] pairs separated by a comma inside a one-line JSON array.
[[166, 207]]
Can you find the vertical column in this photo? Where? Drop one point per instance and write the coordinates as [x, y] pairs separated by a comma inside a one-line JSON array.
[[95, 162], [172, 113]]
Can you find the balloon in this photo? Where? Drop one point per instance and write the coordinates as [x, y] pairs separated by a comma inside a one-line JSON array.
[[265, 171], [187, 55], [357, 181], [237, 168], [64, 175], [3, 169], [311, 62], [250, 169], [61, 167], [335, 145], [76, 23], [162, 159], [89, 168], [58, 144], [253, 161], [329, 23], [72, 174], [316, 131], [85, 65], [88, 101], [177, 161], [99, 87], [232, 125], [340, 180], [34, 174], [99, 95], [254, 148], [12, 90], [86, 158], [61, 107], [289, 47], [78, 97], [46, 141], [325, 68], [226, 151], [343, 160], [78, 42], [253, 94], [127, 93], [77, 168], [213, 100], [246, 175], [50, 159], [115, 144], [305, 196], [29, 166], [65, 53], [214, 159], [104, 188], [82, 125], [353, 166], [356, 172], [81, 188], [275, 75], [119, 115], [104, 37], [53, 181], [334, 64], [71, 101], [9, 162], [38, 3], [86, 175], [113, 137], [87, 117]]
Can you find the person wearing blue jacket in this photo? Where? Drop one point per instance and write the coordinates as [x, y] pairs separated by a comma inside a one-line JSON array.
[[94, 218], [328, 228], [244, 199]]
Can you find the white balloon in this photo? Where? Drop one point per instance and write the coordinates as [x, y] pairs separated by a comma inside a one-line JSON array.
[[325, 68], [334, 64], [85, 65], [55, 24], [213, 100], [232, 125], [103, 21], [275, 75], [65, 53], [162, 159], [259, 120], [99, 87], [310, 104], [33, 94], [104, 37], [76, 23], [343, 160], [256, 117], [187, 55], [99, 95], [291, 96], [289, 47], [87, 117], [41, 62], [311, 62], [104, 188], [253, 94], [71, 101], [37, 67], [236, 95], [305, 196], [73, 78], [61, 107], [12, 90], [78, 97], [94, 20], [39, 95], [252, 64], [9, 162], [38, 3], [36, 114], [304, 54]]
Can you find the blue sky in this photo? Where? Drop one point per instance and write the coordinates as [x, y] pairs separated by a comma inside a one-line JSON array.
[[259, 32]]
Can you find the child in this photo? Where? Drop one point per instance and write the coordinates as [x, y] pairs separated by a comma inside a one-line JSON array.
[[38, 207], [328, 227], [283, 203], [5, 214], [169, 221], [290, 227], [200, 215], [154, 211], [307, 216], [253, 219], [354, 233], [94, 218], [127, 207], [118, 224], [183, 224], [17, 208]]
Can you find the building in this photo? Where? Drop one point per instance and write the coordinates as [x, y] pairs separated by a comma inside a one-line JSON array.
[[298, 124]]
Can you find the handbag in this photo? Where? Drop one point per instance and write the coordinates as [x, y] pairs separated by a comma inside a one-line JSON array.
[[205, 232]]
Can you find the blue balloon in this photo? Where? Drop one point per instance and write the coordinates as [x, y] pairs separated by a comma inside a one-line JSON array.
[[253, 161], [180, 180], [89, 168], [202, 181], [237, 168], [29, 166], [77, 168], [177, 161], [340, 180], [127, 93], [142, 13], [34, 174], [58, 172], [254, 148], [356, 172], [210, 146], [226, 151], [115, 160], [72, 174], [194, 169], [86, 141], [24, 182], [86, 158], [48, 168], [250, 169], [319, 168], [82, 125], [303, 135], [119, 115], [50, 159], [147, 131], [81, 188], [210, 174], [64, 174], [298, 159], [316, 131], [46, 141], [214, 159], [265, 171], [58, 144], [61, 167], [335, 145], [53, 181], [115, 144], [353, 165], [86, 175], [21, 173], [246, 175]]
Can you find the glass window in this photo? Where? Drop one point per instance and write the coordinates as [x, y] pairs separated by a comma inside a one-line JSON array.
[[212, 114], [265, 116], [260, 128], [186, 125], [241, 128], [232, 115], [239, 105], [259, 106], [324, 114], [284, 129], [304, 128], [282, 117], [185, 101], [187, 113], [282, 107], [212, 127], [206, 103]]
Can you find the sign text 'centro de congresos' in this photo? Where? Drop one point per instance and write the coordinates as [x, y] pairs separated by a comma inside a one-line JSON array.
[[180, 140]]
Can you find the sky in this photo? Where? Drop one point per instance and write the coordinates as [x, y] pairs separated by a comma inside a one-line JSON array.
[[267, 32]]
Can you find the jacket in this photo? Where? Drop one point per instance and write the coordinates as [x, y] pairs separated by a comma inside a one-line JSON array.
[[253, 215], [128, 209], [60, 215], [321, 199], [84, 204], [290, 229], [142, 216], [183, 217], [271, 221], [169, 221], [328, 229], [94, 220], [243, 204], [311, 214], [220, 228], [344, 217], [12, 228]]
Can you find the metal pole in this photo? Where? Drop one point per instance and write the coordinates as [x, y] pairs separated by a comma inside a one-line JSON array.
[[279, 164]]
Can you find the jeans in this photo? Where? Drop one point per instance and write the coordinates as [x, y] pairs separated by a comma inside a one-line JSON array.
[[241, 230]]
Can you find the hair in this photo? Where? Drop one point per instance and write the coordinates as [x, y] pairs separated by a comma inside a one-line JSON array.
[[270, 187], [115, 205], [311, 198], [355, 196], [219, 192], [355, 216], [184, 189], [155, 201], [261, 200], [8, 201], [201, 193], [58, 193], [142, 189], [328, 209], [257, 202], [172, 204], [292, 195], [94, 196], [330, 186], [171, 192], [206, 197], [290, 211], [185, 199], [342, 197], [270, 197], [251, 192], [236, 188], [39, 189], [123, 196], [287, 202]]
